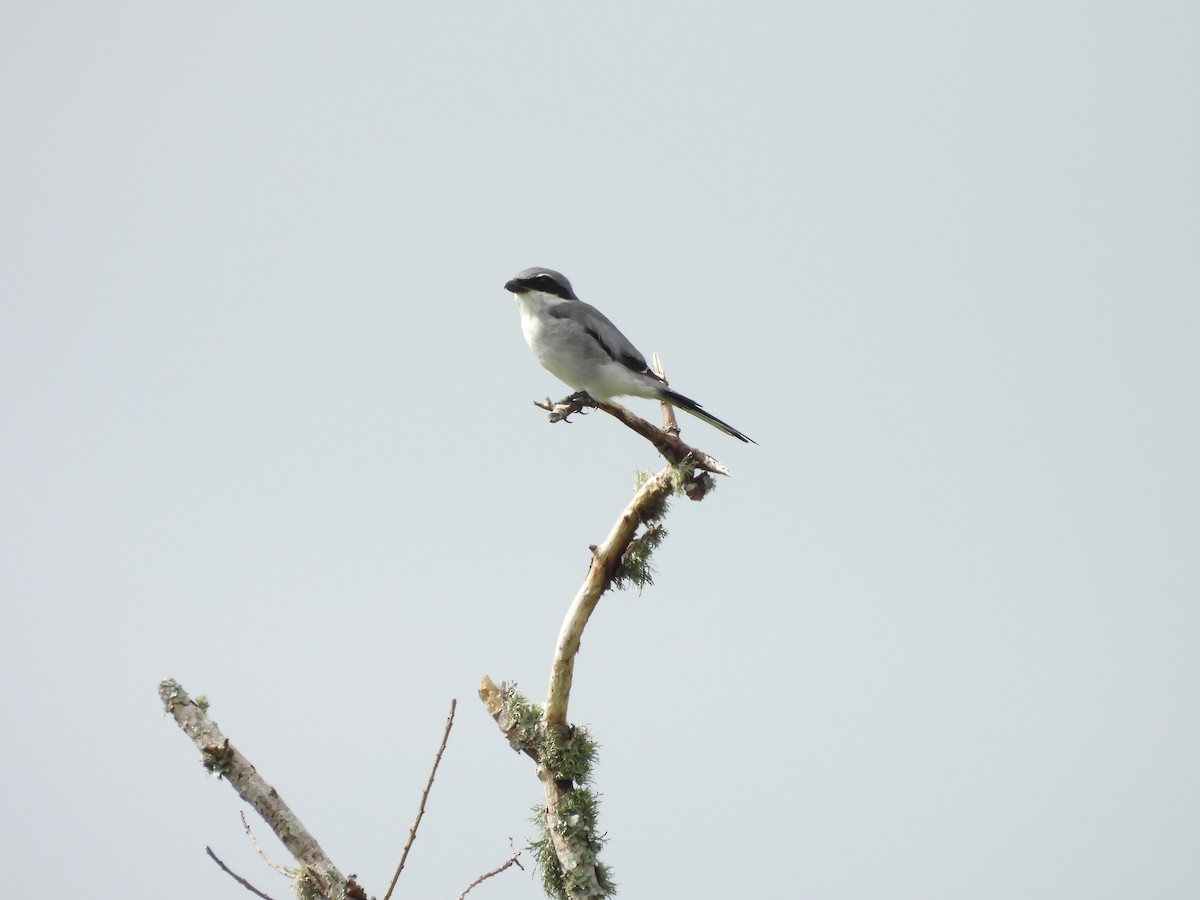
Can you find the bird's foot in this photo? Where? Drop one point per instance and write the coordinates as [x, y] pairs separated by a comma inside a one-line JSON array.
[[577, 402]]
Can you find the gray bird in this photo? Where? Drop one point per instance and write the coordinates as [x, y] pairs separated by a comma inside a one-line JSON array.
[[577, 344]]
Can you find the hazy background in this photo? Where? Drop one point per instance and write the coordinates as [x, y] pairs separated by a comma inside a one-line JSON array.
[[267, 429]]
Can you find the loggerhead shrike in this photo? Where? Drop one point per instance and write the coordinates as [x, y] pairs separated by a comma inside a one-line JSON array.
[[577, 344]]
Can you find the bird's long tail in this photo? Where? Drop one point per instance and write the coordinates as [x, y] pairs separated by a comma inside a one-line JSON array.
[[689, 405]]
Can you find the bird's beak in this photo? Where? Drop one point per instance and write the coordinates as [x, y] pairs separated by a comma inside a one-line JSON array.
[[515, 287]]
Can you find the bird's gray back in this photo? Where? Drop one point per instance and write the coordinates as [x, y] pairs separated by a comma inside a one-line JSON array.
[[602, 330]]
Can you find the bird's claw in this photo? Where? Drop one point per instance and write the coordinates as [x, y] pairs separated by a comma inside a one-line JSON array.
[[578, 402]]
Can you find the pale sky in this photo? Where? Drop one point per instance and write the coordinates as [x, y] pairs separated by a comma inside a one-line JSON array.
[[268, 430]]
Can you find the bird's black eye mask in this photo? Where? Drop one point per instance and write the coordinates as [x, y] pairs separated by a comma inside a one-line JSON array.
[[548, 285]]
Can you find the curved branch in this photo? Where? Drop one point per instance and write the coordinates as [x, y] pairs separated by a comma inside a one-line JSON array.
[[576, 851], [605, 559]]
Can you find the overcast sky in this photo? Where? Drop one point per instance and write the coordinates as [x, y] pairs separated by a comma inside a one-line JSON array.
[[267, 429]]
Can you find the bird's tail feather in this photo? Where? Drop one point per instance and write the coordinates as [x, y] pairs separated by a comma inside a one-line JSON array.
[[691, 406]]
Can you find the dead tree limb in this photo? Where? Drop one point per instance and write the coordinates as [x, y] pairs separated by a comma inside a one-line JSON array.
[[221, 758]]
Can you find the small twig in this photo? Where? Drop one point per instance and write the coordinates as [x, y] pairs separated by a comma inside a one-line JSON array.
[[670, 424], [261, 852], [412, 832], [514, 859], [236, 877]]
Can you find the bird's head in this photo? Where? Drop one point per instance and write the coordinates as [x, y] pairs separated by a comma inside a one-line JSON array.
[[541, 281]]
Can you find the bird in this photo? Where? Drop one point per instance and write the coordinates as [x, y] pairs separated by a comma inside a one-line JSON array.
[[578, 345]]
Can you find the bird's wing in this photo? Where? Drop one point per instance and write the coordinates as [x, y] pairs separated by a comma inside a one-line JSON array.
[[603, 332]]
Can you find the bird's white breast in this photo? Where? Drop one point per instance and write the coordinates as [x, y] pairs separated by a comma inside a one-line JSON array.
[[551, 340]]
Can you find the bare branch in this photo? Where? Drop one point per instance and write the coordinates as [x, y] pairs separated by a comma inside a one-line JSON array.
[[513, 859], [221, 758], [670, 446], [236, 877], [412, 832]]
